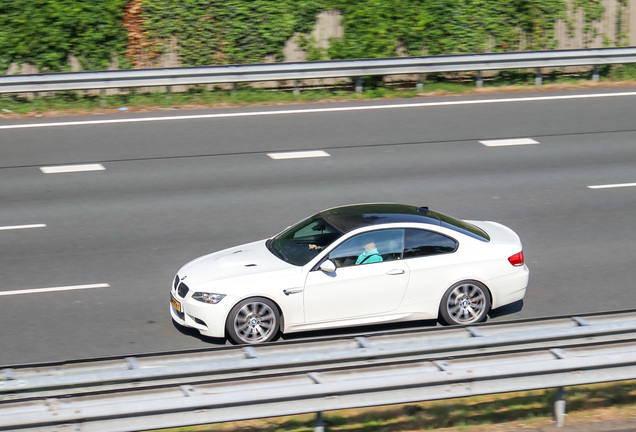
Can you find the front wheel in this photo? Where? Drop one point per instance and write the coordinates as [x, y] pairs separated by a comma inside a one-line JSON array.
[[465, 302], [253, 321]]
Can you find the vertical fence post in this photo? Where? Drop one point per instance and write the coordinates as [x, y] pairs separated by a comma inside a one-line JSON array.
[[480, 80], [538, 78], [320, 423], [559, 407], [102, 98]]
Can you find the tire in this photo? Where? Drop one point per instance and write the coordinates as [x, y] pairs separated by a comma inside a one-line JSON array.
[[466, 302], [253, 321]]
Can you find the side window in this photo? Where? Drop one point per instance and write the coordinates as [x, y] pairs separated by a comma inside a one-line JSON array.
[[370, 247], [419, 243]]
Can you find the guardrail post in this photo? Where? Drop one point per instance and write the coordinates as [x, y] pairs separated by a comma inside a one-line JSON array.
[[595, 73], [320, 423], [480, 80], [358, 84], [559, 407], [538, 78], [296, 88], [420, 85], [102, 98]]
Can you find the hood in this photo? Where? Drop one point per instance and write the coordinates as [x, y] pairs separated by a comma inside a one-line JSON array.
[[248, 260]]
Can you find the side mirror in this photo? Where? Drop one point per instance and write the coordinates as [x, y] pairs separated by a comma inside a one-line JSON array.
[[328, 266]]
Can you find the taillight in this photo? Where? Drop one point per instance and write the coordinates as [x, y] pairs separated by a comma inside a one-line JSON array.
[[517, 259]]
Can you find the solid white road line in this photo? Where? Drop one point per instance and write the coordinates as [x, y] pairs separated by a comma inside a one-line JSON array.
[[54, 289], [72, 168], [315, 110], [299, 154], [508, 142], [19, 227], [611, 186]]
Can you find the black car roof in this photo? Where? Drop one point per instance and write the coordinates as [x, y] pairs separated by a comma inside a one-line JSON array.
[[350, 217], [355, 216]]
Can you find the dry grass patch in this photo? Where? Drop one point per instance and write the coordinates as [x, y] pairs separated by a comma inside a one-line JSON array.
[[492, 413]]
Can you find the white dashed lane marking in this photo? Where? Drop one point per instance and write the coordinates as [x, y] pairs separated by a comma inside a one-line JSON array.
[[20, 227], [509, 142], [72, 168], [612, 186], [299, 154], [53, 289]]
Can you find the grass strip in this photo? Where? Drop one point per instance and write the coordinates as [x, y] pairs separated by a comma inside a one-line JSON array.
[[493, 413]]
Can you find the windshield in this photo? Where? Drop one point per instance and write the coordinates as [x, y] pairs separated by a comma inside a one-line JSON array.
[[300, 243]]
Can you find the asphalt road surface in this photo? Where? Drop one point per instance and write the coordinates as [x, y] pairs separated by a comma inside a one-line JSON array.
[[87, 257]]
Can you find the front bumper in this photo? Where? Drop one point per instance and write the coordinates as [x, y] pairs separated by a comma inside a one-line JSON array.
[[208, 319]]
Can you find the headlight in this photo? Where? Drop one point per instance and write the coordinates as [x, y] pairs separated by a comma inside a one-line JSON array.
[[211, 298]]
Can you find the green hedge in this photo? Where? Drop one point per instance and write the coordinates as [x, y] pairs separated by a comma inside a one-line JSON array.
[[46, 32], [227, 31], [240, 31], [378, 28]]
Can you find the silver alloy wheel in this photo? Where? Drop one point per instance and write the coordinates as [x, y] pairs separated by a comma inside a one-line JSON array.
[[466, 302], [255, 322]]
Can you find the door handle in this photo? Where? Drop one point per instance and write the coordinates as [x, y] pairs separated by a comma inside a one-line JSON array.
[[395, 272], [292, 291]]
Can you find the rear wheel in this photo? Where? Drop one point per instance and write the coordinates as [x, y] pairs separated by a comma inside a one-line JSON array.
[[465, 302], [253, 321]]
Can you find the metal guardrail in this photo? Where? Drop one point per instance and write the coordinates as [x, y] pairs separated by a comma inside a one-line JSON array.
[[239, 383], [51, 82]]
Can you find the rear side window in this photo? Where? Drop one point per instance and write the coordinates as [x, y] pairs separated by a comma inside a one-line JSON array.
[[420, 243], [463, 227]]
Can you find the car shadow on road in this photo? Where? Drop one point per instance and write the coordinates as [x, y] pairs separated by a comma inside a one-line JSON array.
[[350, 332], [359, 331], [186, 331], [506, 310]]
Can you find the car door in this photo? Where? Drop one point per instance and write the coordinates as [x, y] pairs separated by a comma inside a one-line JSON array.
[[373, 286], [433, 267]]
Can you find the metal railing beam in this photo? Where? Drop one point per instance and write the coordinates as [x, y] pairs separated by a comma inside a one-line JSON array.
[[51, 82], [356, 388]]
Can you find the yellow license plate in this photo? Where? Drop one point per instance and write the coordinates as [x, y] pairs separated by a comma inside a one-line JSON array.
[[175, 303]]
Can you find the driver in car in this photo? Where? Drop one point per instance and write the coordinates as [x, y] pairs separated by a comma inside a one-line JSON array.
[[370, 254]]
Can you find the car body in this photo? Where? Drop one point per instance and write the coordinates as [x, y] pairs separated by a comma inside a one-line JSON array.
[[420, 264]]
